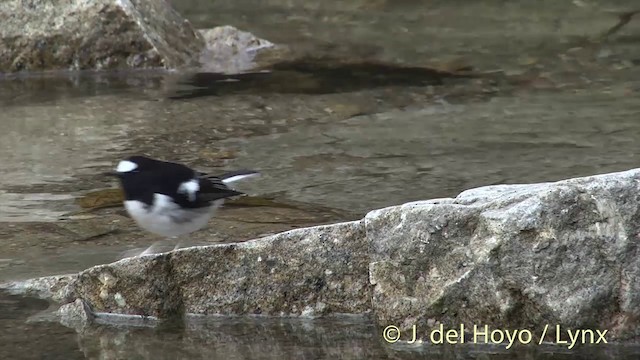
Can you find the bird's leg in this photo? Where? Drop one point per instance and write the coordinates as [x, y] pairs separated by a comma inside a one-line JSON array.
[[178, 242], [149, 250], [133, 253]]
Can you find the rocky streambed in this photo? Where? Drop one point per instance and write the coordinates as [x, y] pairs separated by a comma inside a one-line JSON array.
[[507, 256]]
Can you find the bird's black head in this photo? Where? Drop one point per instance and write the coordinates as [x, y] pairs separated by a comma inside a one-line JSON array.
[[133, 165], [135, 174]]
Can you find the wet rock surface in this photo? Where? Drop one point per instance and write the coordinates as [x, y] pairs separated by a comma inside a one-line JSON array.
[[104, 34], [511, 256]]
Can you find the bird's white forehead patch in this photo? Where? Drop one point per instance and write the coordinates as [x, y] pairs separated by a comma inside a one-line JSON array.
[[126, 166], [190, 187]]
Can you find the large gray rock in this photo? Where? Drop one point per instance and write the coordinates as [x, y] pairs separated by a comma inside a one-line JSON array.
[[509, 256], [307, 272], [98, 34], [513, 257]]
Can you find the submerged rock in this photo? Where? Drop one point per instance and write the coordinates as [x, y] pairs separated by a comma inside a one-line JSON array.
[[273, 73], [100, 34], [508, 256], [230, 50]]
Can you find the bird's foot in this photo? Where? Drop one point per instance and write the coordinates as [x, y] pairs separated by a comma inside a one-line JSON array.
[[153, 249], [133, 253], [177, 246], [148, 251]]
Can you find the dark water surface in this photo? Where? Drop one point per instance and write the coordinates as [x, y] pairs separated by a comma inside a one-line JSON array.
[[551, 103]]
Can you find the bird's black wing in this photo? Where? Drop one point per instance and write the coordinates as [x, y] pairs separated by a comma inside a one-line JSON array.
[[209, 188], [212, 188]]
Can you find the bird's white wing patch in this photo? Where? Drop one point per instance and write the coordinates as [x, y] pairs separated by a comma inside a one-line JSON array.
[[190, 188], [126, 166], [238, 178]]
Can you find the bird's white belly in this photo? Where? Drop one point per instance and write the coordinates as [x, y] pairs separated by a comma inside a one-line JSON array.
[[166, 218]]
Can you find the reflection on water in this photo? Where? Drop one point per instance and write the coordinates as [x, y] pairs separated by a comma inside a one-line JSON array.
[[237, 338], [20, 339]]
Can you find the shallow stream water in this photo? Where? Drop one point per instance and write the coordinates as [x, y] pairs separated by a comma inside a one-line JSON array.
[[551, 103]]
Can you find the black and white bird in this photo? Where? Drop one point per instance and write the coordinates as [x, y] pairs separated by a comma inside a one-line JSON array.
[[170, 199]]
